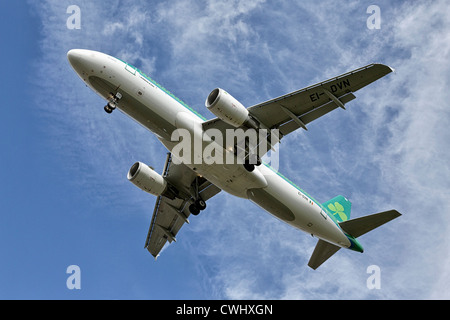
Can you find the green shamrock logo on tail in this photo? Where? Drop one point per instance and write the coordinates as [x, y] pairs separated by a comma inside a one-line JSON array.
[[338, 209]]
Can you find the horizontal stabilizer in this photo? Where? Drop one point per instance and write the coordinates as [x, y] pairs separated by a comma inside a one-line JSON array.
[[322, 253], [355, 228], [359, 226]]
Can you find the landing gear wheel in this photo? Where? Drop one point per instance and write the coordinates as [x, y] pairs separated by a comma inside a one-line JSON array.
[[108, 109], [112, 103], [194, 210], [200, 204]]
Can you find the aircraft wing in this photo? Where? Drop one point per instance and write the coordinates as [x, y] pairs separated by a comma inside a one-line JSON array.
[[296, 109], [315, 101], [169, 215]]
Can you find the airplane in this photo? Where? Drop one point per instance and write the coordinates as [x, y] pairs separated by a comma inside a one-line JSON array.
[[186, 183]]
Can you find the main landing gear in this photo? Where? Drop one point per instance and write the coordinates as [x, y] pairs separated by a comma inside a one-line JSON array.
[[112, 103], [199, 204]]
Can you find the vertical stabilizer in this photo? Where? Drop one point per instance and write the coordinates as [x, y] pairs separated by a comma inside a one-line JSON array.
[[339, 207]]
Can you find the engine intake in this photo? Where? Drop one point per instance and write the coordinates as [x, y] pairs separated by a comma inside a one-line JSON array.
[[148, 180], [227, 108]]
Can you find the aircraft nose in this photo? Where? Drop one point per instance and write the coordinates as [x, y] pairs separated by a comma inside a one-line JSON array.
[[77, 58], [82, 60], [73, 55]]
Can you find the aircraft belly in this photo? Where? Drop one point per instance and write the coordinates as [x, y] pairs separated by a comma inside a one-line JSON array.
[[262, 186], [292, 206], [139, 111], [272, 204], [231, 178], [141, 100]]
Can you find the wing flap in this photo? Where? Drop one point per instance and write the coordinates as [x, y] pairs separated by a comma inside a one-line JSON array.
[[303, 101], [169, 215], [165, 224], [290, 126]]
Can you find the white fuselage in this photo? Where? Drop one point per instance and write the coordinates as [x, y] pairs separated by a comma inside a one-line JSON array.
[[158, 110]]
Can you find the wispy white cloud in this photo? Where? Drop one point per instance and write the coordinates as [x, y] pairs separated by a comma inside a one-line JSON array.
[[418, 135], [393, 148]]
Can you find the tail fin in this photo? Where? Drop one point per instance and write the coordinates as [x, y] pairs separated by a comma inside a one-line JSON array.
[[355, 228], [340, 207]]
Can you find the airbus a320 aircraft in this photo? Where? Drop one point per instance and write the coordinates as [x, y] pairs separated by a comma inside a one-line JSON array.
[[186, 184]]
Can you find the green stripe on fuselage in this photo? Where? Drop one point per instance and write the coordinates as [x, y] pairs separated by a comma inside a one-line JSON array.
[[164, 90]]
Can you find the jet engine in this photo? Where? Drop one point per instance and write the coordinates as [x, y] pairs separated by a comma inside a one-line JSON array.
[[146, 179], [227, 108]]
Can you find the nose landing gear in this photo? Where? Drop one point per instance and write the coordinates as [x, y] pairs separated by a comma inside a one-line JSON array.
[[112, 103]]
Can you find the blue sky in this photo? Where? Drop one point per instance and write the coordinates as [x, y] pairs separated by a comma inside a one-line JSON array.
[[65, 199]]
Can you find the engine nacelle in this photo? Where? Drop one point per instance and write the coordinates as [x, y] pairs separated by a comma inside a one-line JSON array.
[[227, 108], [148, 180]]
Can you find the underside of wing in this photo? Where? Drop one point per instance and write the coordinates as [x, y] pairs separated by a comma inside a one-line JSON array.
[[169, 215], [297, 109]]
